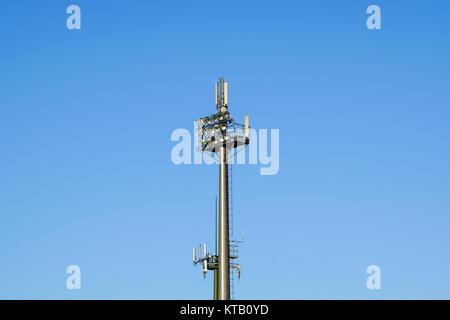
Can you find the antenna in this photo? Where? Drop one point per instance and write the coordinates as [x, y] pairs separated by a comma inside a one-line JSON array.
[[197, 138], [205, 268], [218, 136], [239, 270], [217, 96], [225, 94], [246, 127]]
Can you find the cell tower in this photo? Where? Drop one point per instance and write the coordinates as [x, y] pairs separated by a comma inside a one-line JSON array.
[[222, 138]]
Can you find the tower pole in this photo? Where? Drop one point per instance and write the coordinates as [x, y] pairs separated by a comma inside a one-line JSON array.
[[224, 248], [216, 269], [215, 225]]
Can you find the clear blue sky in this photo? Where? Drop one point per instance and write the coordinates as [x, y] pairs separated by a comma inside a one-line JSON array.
[[86, 176]]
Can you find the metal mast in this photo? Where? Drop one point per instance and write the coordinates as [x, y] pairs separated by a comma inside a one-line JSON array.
[[224, 228], [224, 234], [219, 136]]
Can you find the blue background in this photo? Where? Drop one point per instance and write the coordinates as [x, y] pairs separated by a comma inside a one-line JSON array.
[[86, 176]]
